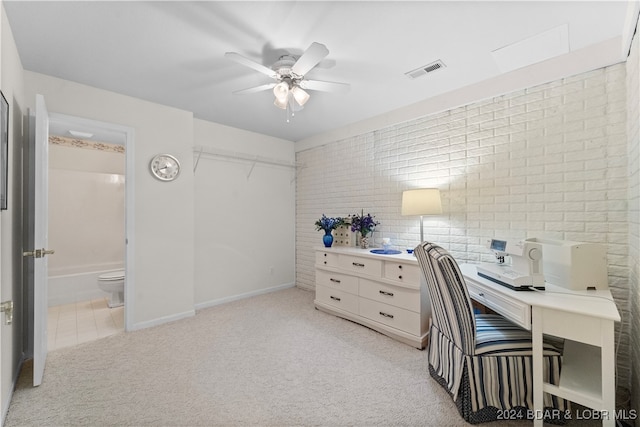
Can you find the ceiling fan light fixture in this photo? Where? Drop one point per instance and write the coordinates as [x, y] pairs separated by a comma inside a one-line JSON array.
[[300, 95], [290, 87], [281, 103], [79, 134], [281, 91]]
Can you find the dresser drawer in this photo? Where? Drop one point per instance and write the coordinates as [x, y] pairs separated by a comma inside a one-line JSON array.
[[326, 259], [332, 280], [337, 298], [516, 311], [367, 266], [399, 318], [399, 297], [401, 272]]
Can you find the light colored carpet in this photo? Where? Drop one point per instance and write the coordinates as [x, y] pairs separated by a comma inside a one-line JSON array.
[[270, 360]]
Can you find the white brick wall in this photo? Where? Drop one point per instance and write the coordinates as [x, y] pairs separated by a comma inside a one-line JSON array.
[[633, 123], [548, 161]]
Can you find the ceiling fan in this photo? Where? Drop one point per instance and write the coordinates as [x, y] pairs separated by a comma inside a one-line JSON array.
[[289, 75]]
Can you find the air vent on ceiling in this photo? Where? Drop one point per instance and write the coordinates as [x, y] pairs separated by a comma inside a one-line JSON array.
[[425, 69]]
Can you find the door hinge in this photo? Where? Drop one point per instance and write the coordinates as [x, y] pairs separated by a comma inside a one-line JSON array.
[[7, 308]]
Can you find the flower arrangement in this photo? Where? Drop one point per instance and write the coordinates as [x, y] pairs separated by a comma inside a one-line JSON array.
[[328, 224], [363, 224]]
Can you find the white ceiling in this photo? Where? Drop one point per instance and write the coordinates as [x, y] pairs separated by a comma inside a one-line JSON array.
[[172, 53]]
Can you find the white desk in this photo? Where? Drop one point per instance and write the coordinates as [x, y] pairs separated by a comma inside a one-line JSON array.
[[584, 318]]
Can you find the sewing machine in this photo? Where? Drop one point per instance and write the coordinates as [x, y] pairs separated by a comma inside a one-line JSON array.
[[525, 270], [574, 265]]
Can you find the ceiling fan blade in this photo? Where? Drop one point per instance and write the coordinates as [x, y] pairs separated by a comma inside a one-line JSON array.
[[310, 58], [255, 89], [251, 64], [325, 86]]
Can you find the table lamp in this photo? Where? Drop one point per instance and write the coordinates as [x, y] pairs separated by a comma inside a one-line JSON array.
[[422, 201]]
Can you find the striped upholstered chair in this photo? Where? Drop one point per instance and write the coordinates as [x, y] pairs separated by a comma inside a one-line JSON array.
[[483, 360]]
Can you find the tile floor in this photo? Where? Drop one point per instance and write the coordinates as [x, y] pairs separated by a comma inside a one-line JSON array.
[[76, 323]]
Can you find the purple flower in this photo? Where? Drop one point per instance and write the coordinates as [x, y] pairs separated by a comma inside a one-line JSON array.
[[363, 223]]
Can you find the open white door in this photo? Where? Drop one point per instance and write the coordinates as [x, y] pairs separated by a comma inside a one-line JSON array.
[[37, 249]]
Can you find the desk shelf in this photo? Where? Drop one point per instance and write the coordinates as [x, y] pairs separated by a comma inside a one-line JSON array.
[[575, 386]]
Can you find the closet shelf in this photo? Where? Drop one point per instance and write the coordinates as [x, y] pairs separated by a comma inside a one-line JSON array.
[[200, 151]]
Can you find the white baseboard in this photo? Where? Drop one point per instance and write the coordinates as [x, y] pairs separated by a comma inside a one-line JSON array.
[[224, 300], [184, 315], [163, 320], [307, 288]]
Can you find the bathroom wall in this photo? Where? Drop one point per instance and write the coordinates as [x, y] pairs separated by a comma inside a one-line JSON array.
[[86, 217]]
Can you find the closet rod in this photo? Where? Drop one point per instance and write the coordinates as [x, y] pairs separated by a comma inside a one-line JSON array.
[[200, 150]]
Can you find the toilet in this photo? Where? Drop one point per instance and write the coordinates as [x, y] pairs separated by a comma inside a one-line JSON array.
[[112, 282]]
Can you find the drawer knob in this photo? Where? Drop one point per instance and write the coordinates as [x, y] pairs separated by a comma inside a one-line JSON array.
[[400, 267], [325, 262], [335, 298], [334, 280], [389, 294], [481, 294], [357, 264], [400, 277], [383, 314]]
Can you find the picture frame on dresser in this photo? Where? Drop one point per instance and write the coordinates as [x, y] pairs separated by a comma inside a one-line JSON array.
[[4, 152]]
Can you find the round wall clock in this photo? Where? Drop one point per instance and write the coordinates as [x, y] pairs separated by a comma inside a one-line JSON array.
[[165, 167]]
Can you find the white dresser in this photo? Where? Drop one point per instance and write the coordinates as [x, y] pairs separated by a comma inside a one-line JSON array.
[[383, 292]]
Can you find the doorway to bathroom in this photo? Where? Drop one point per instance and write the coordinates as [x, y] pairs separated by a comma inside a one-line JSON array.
[[89, 214]]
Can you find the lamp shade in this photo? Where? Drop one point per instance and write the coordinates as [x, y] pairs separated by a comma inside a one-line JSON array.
[[423, 201]]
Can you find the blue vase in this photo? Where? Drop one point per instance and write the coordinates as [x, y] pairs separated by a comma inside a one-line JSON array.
[[327, 239]]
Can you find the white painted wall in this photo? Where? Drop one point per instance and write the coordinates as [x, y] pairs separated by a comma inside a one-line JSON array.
[[221, 233], [244, 214], [163, 271], [11, 83]]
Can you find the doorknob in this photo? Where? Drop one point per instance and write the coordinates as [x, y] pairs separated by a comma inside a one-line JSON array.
[[39, 253], [7, 308]]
